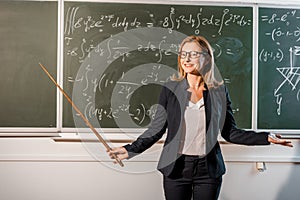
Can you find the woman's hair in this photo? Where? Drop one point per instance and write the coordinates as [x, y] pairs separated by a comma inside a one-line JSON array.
[[208, 71]]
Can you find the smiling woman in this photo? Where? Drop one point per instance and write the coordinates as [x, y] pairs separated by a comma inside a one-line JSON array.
[[192, 110]]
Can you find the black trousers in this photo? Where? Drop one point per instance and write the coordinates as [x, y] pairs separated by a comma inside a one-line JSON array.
[[190, 180]]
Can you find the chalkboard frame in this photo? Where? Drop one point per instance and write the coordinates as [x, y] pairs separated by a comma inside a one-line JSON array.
[[263, 53], [216, 6], [42, 96]]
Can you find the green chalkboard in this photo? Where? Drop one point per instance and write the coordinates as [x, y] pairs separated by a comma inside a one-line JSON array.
[[279, 68], [28, 33], [98, 35]]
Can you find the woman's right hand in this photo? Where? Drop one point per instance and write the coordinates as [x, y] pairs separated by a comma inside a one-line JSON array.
[[121, 152]]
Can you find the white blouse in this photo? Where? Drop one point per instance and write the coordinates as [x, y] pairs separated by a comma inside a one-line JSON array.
[[194, 129]]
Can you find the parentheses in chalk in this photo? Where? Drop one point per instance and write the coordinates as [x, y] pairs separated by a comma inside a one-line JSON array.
[[100, 82], [281, 54]]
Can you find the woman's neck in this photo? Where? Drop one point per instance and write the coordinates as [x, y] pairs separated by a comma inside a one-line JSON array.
[[194, 80]]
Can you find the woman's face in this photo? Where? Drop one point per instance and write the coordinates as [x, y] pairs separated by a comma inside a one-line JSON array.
[[190, 58]]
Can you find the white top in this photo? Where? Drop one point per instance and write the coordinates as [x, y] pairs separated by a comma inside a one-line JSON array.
[[194, 129]]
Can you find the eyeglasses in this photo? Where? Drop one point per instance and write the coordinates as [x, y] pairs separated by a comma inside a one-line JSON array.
[[192, 54]]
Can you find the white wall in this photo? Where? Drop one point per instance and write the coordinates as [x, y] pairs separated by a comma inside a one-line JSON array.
[[93, 181], [41, 169], [279, 181], [74, 181]]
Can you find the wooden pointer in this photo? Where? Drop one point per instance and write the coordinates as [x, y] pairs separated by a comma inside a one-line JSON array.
[[82, 116]]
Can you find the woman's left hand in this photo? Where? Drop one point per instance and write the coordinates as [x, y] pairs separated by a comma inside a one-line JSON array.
[[275, 139]]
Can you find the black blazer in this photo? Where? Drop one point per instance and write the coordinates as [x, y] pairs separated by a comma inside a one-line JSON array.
[[170, 115]]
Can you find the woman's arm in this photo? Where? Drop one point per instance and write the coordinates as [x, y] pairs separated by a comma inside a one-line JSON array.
[[232, 134], [153, 133]]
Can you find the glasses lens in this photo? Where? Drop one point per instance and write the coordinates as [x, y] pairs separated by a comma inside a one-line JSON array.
[[183, 54], [192, 54]]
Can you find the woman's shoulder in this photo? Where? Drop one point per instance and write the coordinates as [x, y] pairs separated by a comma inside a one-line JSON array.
[[173, 84]]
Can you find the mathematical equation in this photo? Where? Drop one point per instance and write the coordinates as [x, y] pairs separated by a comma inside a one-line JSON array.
[[116, 49], [120, 90], [86, 29], [266, 55], [78, 43], [285, 26], [197, 21], [279, 55], [173, 21], [284, 18], [138, 115]]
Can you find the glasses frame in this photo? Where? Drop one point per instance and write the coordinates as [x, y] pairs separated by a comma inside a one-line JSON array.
[[191, 54]]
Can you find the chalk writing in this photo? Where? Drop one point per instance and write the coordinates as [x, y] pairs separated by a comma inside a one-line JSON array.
[[196, 21], [278, 68], [284, 17], [265, 55], [117, 93], [291, 76], [75, 23], [278, 28], [124, 89]]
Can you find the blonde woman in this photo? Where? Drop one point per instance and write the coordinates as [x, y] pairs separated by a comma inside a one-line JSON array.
[[194, 108]]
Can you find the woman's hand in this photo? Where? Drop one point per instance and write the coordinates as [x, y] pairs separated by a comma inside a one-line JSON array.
[[121, 152], [275, 139]]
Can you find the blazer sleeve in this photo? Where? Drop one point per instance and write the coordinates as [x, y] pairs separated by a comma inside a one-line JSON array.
[[154, 132], [232, 134]]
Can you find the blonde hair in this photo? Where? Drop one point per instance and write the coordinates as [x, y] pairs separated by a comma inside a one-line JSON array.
[[209, 73]]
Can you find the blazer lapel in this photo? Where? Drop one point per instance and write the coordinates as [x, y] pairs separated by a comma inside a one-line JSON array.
[[207, 105]]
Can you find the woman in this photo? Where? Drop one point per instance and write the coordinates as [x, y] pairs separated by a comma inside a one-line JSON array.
[[193, 108]]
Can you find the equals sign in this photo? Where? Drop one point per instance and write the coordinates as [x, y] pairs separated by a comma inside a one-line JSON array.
[[227, 80], [264, 18], [71, 79], [149, 24]]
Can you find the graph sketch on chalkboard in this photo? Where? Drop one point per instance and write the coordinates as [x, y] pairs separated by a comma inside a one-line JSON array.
[[291, 76]]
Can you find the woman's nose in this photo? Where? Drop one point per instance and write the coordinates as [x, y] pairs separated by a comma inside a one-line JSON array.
[[188, 57]]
